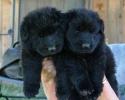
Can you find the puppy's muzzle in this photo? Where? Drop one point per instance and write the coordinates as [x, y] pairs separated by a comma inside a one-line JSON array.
[[86, 46], [52, 49]]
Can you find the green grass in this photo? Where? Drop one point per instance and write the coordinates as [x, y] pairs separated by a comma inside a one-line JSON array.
[[16, 90]]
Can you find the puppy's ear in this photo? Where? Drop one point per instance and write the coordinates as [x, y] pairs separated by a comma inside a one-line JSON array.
[[24, 33], [101, 22]]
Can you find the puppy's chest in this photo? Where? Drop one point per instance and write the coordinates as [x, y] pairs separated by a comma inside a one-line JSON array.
[[95, 63]]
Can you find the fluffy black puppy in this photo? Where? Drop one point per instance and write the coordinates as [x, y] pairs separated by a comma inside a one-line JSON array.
[[85, 38], [42, 35]]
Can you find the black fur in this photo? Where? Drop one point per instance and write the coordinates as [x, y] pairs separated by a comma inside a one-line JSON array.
[[42, 35], [85, 38], [79, 68]]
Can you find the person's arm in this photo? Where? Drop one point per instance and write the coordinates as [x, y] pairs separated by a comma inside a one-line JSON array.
[[48, 80], [107, 93]]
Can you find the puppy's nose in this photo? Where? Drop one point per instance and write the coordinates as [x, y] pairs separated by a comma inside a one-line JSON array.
[[86, 45], [52, 49]]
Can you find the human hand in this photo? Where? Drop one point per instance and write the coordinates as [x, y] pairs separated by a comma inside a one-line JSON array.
[[48, 80], [107, 93]]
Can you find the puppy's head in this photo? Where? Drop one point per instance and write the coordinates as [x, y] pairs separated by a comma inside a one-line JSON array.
[[43, 30], [85, 31]]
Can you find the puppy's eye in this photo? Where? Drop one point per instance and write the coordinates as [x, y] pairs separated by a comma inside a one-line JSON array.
[[80, 28], [45, 47], [41, 35], [91, 30], [57, 45], [99, 32], [77, 31], [56, 24]]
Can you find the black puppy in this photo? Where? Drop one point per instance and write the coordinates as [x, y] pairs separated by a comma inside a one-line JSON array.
[[42, 35], [85, 38]]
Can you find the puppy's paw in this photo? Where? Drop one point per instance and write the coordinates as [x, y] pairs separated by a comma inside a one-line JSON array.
[[86, 92], [91, 98], [31, 90], [85, 88], [63, 98], [98, 87]]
